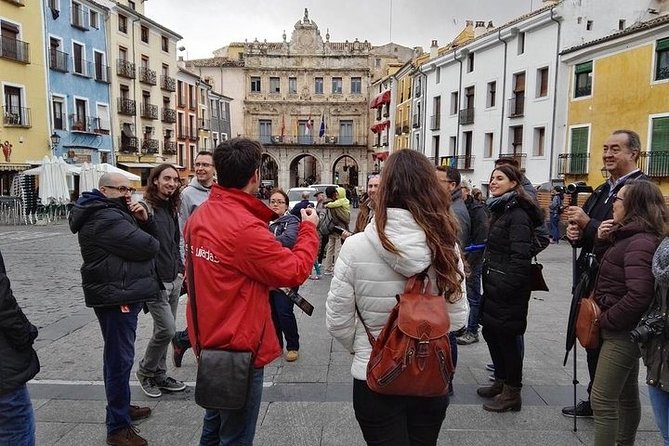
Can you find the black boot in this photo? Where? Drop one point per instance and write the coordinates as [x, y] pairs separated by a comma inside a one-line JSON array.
[[508, 400], [491, 391]]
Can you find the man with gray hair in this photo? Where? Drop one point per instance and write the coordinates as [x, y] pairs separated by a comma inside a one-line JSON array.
[[305, 203], [118, 277]]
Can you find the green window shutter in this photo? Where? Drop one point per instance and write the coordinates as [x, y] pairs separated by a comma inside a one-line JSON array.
[[662, 45], [660, 135], [579, 140], [584, 67]]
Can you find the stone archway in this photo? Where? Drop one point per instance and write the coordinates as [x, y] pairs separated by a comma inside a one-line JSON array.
[[269, 170], [303, 170], [345, 170]]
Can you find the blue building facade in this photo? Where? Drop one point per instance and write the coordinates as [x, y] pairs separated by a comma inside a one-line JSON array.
[[79, 79]]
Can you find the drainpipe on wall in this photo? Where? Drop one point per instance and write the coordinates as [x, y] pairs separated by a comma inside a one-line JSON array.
[[514, 32], [134, 94], [423, 81], [555, 83]]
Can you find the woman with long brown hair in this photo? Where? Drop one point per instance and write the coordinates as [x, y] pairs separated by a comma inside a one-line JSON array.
[[624, 291], [412, 231], [506, 291]]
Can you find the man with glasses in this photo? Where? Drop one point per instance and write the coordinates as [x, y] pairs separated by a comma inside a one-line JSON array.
[[118, 276], [620, 154], [192, 196]]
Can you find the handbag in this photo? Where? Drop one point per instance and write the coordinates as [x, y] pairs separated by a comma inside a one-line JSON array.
[[537, 282], [223, 376], [587, 322]]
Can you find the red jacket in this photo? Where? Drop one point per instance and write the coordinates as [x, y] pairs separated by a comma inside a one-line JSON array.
[[236, 260]]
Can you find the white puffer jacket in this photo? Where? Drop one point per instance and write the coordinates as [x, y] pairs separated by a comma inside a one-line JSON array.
[[371, 276]]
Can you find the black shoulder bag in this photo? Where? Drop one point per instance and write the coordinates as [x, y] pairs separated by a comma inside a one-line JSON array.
[[223, 376]]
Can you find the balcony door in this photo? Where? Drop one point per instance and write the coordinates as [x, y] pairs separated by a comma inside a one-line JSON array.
[[346, 132], [265, 131]]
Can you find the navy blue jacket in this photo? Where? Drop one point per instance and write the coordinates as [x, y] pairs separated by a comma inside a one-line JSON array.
[[119, 257]]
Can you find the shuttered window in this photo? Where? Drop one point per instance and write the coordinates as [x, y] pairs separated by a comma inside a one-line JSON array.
[[662, 59]]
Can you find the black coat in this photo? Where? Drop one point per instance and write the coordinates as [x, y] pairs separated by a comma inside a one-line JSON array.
[[119, 257], [19, 362], [506, 264]]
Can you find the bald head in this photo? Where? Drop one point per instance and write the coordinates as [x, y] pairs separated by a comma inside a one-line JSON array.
[[114, 185]]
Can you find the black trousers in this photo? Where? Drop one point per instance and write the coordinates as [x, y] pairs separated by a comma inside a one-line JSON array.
[[397, 420], [592, 356], [506, 354]]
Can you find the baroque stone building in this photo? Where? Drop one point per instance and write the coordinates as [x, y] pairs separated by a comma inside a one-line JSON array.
[[306, 99]]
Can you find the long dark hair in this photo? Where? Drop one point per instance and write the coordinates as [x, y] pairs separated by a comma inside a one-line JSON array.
[[644, 205], [409, 182], [151, 193]]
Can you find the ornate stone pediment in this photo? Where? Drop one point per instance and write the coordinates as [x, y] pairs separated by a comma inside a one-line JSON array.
[[306, 38]]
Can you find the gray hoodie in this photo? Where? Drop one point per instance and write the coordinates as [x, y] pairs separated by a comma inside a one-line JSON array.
[[192, 196]]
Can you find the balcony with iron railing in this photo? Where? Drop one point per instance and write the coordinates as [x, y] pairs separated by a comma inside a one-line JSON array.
[[79, 16], [58, 60], [342, 139], [583, 91], [435, 122], [516, 106], [415, 120], [84, 124], [203, 124], [398, 130], [125, 69], [102, 73], [16, 116], [192, 103], [147, 75], [168, 83], [655, 163], [169, 115], [181, 101], [150, 145], [14, 49], [466, 116], [460, 162], [520, 157], [192, 135], [82, 68], [128, 144], [127, 107], [148, 111], [573, 163], [169, 147], [182, 132]]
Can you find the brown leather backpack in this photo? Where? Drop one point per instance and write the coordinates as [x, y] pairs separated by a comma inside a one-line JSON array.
[[412, 355]]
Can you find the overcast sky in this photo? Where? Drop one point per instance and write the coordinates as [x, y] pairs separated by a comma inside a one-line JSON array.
[[210, 24]]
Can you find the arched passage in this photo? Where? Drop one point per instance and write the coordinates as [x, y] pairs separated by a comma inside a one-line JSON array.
[[269, 171], [304, 170], [345, 171]]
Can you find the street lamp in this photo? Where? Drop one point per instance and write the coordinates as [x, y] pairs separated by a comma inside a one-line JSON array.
[[55, 140]]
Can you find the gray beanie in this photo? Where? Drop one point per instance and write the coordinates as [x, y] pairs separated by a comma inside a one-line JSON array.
[[661, 262]]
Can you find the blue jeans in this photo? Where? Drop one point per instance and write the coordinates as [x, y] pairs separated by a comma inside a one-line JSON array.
[[555, 227], [118, 331], [284, 320], [615, 392], [17, 422], [234, 427], [659, 399], [474, 297]]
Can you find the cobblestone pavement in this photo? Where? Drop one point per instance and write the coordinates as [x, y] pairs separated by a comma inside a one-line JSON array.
[[304, 403]]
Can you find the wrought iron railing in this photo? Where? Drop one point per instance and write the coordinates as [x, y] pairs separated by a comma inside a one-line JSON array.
[[466, 116], [79, 15], [147, 75], [125, 68], [573, 163], [127, 107], [14, 49], [460, 162], [148, 111], [102, 73], [655, 163], [520, 157], [168, 83], [435, 122], [16, 116], [203, 124], [516, 106], [169, 147], [169, 115], [150, 145], [128, 144], [58, 60], [583, 91]]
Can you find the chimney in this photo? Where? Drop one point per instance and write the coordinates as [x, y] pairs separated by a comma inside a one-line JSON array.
[[434, 49], [490, 26], [479, 28]]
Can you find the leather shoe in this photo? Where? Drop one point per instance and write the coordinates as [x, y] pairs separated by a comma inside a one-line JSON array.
[[126, 437], [139, 413], [292, 355]]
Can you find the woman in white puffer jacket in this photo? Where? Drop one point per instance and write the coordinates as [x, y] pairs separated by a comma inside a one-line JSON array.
[[411, 231]]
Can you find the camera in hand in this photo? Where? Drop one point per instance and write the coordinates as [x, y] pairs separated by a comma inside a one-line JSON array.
[[300, 301], [576, 188], [650, 326]]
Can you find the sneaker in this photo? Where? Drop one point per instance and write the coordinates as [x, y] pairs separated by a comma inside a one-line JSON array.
[[467, 338], [139, 413], [327, 273], [582, 410], [177, 353], [315, 277], [292, 355], [169, 384], [492, 378], [149, 386], [126, 437], [490, 367]]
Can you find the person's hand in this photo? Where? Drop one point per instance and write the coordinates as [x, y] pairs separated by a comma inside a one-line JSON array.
[[138, 211], [604, 229], [576, 215], [345, 235], [574, 233], [309, 215]]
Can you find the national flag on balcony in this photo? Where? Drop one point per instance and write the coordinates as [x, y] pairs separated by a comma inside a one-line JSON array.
[[321, 132], [308, 126]]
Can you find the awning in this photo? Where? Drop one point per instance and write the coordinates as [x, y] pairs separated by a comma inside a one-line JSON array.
[[138, 165], [127, 131], [18, 167], [380, 156], [380, 99], [380, 126]]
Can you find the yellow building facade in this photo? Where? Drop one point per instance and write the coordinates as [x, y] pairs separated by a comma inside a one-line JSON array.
[[620, 82], [24, 134]]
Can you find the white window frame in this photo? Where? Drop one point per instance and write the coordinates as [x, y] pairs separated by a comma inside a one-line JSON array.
[[83, 58], [86, 101], [62, 99], [104, 104]]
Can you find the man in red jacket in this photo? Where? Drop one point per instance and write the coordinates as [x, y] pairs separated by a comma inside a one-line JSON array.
[[236, 261]]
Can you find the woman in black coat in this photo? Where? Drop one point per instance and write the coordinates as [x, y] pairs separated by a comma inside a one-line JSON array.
[[506, 292]]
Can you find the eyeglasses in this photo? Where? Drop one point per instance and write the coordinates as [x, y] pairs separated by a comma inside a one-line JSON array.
[[203, 165], [277, 202], [616, 198], [122, 189]]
